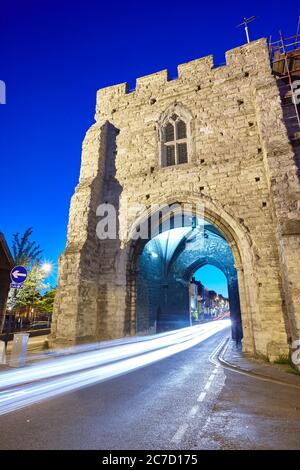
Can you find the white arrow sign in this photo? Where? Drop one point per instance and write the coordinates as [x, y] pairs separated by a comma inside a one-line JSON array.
[[18, 274]]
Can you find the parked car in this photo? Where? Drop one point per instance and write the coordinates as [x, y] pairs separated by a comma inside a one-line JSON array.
[[39, 325]]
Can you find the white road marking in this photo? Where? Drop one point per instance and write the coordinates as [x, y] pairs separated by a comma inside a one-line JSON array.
[[213, 357], [180, 433], [194, 411], [207, 386], [202, 396]]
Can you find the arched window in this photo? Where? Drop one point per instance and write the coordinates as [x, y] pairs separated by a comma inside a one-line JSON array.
[[174, 136]]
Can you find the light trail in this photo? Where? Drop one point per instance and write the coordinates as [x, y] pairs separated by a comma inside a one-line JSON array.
[[61, 375], [76, 362]]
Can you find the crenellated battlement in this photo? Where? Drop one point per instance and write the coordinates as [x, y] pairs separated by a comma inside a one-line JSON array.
[[249, 57], [214, 140], [153, 80], [204, 65]]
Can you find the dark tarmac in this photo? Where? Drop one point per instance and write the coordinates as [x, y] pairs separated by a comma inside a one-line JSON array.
[[182, 402]]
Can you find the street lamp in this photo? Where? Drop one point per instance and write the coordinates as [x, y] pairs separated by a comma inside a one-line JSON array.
[[47, 267]]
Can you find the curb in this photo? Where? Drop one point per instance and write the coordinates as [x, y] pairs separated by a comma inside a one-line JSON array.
[[256, 375]]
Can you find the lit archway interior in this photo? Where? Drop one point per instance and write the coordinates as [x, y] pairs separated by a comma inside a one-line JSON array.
[[166, 294]]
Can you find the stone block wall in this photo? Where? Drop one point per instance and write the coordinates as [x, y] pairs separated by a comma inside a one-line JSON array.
[[241, 167]]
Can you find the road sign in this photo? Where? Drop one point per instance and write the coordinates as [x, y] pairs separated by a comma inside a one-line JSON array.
[[13, 285], [18, 274]]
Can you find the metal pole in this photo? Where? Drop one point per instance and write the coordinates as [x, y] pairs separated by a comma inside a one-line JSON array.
[[245, 24], [247, 33], [290, 79], [8, 331], [298, 31]]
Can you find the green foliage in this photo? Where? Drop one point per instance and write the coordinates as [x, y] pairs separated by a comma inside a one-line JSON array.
[[282, 359], [293, 371], [30, 292], [286, 360], [195, 315], [45, 302], [46, 345], [25, 252]]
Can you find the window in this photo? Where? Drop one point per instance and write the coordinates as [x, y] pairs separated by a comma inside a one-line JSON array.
[[175, 150]]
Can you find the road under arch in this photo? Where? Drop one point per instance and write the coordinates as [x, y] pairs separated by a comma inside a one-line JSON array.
[[164, 271]]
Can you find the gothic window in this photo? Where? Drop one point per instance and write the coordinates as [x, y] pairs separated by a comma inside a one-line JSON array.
[[175, 148]]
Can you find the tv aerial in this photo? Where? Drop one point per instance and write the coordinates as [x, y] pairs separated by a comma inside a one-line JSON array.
[[245, 24]]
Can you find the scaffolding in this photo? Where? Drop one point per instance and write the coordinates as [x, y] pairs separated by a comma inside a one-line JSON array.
[[285, 63]]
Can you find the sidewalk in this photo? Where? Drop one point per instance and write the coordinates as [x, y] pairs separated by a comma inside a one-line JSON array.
[[34, 351], [239, 361]]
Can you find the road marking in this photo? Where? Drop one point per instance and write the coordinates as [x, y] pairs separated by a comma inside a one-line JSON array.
[[213, 358], [178, 436], [180, 433], [194, 411], [227, 365], [201, 396], [207, 386]]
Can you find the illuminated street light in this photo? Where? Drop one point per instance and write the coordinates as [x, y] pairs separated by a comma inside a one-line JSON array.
[[47, 267]]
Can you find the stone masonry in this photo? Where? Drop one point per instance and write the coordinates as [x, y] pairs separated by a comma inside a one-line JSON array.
[[241, 166]]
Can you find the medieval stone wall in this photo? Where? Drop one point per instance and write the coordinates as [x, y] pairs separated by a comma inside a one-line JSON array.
[[241, 167]]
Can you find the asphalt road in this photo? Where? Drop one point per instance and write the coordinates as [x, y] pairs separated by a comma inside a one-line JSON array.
[[181, 402]]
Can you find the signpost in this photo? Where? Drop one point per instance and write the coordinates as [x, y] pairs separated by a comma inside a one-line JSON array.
[[18, 276]]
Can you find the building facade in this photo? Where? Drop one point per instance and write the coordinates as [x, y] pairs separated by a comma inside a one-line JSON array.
[[215, 137]]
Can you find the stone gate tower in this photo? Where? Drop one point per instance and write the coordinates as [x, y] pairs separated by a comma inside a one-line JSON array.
[[232, 154]]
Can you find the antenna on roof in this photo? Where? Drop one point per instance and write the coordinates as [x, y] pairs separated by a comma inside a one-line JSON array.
[[245, 24], [298, 32]]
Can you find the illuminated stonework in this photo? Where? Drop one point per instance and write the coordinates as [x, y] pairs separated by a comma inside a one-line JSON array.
[[165, 268], [240, 165]]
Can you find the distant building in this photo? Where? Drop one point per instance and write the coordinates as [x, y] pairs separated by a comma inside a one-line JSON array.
[[207, 303], [6, 264]]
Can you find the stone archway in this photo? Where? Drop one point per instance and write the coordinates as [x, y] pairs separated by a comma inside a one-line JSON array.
[[240, 167], [164, 273], [243, 253]]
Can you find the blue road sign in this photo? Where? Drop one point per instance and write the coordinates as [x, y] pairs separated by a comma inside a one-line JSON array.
[[18, 274]]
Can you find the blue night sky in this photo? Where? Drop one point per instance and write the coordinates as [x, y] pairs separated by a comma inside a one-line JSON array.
[[56, 54], [213, 279]]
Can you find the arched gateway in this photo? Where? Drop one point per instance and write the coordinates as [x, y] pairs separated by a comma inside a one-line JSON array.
[[214, 140]]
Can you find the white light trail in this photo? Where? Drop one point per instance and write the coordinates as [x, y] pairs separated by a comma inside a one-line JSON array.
[[65, 374]]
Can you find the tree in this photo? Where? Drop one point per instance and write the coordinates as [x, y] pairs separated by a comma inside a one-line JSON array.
[[29, 295], [45, 302], [25, 252]]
